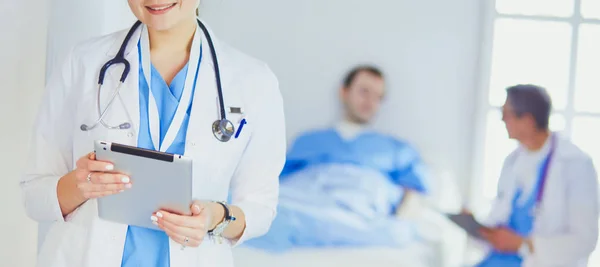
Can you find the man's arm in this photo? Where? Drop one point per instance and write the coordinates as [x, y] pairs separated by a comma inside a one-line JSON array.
[[581, 232], [299, 153], [410, 171]]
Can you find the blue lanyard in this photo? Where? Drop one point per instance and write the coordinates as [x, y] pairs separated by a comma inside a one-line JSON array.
[[544, 171]]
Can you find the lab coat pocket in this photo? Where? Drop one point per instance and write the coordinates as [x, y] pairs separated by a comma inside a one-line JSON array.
[[240, 121], [61, 238], [215, 254], [234, 149], [222, 163]]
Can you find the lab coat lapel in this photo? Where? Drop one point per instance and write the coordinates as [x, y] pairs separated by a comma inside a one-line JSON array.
[[201, 144], [199, 137], [130, 92], [129, 108], [554, 185]]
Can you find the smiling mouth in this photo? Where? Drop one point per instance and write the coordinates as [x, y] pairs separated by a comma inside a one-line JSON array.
[[158, 8]]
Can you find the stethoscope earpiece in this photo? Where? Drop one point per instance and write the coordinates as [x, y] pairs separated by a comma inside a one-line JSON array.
[[125, 126]]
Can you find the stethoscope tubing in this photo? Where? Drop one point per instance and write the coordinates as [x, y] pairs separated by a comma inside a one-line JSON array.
[[224, 133]]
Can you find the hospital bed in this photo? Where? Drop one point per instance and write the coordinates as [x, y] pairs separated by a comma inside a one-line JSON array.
[[413, 256], [441, 244]]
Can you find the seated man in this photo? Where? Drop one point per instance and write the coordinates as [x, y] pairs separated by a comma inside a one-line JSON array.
[[341, 186]]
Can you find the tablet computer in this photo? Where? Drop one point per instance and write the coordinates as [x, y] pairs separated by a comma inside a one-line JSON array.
[[160, 181], [468, 223]]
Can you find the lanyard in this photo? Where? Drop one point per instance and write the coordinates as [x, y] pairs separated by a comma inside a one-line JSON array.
[[195, 57], [544, 171]]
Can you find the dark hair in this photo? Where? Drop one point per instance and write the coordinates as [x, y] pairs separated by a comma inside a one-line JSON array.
[[531, 99], [356, 70]]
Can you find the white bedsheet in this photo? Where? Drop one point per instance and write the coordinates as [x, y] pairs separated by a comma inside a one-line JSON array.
[[443, 245], [416, 255]]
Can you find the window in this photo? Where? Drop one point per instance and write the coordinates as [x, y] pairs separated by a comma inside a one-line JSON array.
[[552, 43]]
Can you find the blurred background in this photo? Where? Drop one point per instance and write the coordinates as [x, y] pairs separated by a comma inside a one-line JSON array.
[[446, 63]]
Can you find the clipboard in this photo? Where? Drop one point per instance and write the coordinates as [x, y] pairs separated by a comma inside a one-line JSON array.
[[468, 223]]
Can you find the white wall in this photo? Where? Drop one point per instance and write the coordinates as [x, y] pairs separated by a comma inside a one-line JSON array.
[[428, 49], [22, 50], [72, 21]]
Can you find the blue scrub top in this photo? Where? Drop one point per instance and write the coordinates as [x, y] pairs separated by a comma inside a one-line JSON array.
[[521, 221], [143, 246]]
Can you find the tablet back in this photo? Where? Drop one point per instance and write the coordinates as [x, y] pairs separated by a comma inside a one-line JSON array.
[[159, 181]]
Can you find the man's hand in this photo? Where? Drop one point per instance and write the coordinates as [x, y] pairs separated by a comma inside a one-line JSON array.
[[503, 239]]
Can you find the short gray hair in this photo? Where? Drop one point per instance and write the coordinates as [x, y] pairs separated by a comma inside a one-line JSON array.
[[531, 99]]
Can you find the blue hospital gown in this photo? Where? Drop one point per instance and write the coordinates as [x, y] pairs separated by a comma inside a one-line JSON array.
[[396, 159], [338, 193]]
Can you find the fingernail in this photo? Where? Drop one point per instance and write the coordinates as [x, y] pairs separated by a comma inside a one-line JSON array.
[[125, 179], [128, 186], [110, 167], [155, 223], [153, 218], [159, 215], [121, 191], [197, 208]]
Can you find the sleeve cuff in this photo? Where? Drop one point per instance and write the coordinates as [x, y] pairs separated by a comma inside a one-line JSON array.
[[524, 250], [258, 221], [41, 200]]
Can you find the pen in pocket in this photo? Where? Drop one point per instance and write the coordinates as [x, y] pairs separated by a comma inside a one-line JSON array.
[[242, 123]]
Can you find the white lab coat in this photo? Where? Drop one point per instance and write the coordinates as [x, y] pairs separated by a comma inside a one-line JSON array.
[[248, 167], [566, 230]]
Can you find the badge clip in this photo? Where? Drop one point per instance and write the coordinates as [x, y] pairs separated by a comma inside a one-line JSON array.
[[236, 110]]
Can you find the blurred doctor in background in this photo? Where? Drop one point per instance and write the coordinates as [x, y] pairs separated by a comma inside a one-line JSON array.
[[342, 185], [546, 211]]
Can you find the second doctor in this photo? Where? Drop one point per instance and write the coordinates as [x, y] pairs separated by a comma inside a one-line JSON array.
[[546, 211]]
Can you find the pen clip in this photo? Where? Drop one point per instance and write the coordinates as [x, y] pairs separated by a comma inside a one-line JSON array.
[[242, 123]]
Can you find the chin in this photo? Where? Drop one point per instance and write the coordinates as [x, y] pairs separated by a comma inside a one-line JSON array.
[[160, 25], [363, 120], [512, 136]]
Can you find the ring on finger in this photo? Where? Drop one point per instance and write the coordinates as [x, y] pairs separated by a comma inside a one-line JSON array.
[[185, 241], [89, 177]]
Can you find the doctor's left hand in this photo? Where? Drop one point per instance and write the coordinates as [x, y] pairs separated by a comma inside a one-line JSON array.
[[503, 239], [187, 230]]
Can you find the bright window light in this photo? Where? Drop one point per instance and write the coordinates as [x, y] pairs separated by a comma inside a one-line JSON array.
[[554, 8], [536, 52]]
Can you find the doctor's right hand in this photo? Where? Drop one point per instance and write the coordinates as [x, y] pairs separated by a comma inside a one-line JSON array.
[[96, 178]]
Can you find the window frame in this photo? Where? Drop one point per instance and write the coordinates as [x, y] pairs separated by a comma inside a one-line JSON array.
[[483, 106]]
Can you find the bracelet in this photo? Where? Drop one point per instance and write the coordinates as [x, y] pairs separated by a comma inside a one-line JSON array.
[[227, 218]]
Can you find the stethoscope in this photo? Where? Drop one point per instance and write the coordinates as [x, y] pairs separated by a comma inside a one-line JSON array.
[[543, 177], [223, 129]]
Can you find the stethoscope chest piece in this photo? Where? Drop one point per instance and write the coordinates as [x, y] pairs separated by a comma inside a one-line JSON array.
[[223, 130]]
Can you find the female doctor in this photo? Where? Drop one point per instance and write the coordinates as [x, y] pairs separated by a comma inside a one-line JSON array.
[[546, 212], [173, 87]]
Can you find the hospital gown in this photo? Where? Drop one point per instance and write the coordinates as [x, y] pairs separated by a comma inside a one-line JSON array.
[[337, 192]]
